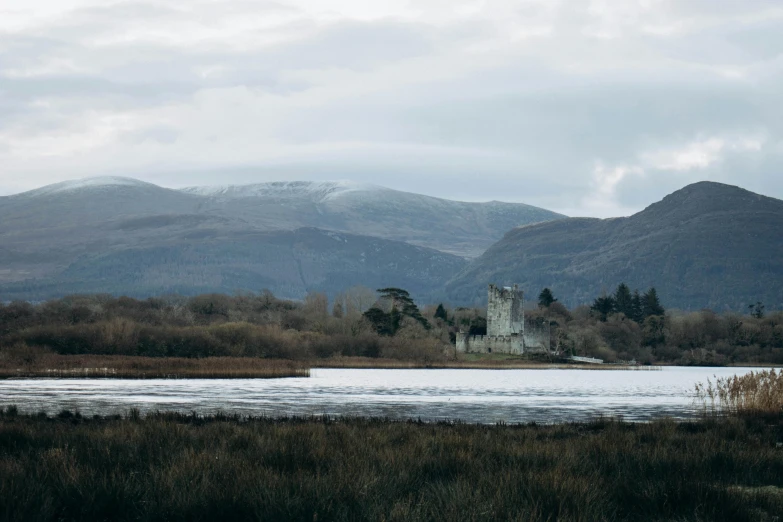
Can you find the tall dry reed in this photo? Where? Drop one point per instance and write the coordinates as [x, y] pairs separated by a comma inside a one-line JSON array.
[[753, 393]]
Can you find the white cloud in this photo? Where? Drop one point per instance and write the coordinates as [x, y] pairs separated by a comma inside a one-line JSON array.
[[602, 201], [481, 99], [701, 153]]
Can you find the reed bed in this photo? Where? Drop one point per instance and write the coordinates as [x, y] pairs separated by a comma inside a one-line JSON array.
[[751, 394], [183, 467], [130, 367]]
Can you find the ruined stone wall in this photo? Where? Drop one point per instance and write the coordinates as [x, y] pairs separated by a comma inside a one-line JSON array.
[[505, 315], [490, 344], [537, 338], [536, 341]]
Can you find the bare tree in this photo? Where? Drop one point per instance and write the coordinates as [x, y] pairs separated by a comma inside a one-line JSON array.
[[359, 299]]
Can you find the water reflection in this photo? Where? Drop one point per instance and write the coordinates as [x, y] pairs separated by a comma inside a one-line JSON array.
[[484, 396]]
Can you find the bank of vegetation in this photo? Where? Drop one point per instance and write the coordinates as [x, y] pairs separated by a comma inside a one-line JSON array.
[[52, 365], [384, 327], [626, 325], [183, 467]]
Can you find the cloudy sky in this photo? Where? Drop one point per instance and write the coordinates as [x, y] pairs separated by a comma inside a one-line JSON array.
[[594, 107]]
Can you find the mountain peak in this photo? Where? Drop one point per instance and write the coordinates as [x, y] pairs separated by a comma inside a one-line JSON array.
[[707, 197], [100, 182]]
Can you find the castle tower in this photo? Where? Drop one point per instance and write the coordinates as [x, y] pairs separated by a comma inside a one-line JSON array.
[[505, 311]]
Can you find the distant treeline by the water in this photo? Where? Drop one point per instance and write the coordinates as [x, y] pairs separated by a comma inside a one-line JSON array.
[[374, 325]]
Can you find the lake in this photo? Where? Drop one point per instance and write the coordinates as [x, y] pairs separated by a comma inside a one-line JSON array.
[[482, 396]]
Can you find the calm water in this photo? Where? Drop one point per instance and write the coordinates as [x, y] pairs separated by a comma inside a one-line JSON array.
[[484, 396]]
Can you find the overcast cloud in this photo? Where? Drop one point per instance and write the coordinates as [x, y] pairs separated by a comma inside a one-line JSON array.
[[586, 107]]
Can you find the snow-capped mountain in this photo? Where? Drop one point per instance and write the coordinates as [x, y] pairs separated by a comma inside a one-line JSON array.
[[318, 191], [86, 235], [97, 183]]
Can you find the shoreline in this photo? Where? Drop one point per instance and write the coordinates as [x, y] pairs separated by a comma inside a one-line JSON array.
[[135, 367]]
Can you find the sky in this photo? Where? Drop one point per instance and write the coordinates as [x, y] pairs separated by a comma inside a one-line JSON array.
[[590, 108]]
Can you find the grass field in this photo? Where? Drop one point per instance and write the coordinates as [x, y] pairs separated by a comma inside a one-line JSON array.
[[177, 467]]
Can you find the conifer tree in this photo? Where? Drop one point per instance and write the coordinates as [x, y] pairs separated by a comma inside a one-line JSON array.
[[440, 313], [651, 305], [546, 298], [636, 307], [623, 300], [604, 306]]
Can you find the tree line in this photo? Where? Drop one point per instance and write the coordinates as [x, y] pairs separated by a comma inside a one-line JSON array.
[[624, 325]]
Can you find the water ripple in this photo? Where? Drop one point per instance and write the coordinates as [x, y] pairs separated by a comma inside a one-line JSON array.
[[484, 396]]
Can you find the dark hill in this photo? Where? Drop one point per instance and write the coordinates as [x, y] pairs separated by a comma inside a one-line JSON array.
[[60, 238], [289, 263], [708, 245]]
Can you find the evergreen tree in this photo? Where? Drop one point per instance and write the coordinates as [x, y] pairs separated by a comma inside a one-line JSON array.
[[380, 321], [402, 305], [440, 313], [651, 305], [623, 300], [546, 298], [636, 307], [604, 306]]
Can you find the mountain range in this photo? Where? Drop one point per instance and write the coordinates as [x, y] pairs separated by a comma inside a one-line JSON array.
[[121, 235], [708, 245]]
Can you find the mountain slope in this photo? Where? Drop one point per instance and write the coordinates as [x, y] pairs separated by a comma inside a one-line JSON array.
[[460, 228], [61, 238], [707, 245], [289, 263]]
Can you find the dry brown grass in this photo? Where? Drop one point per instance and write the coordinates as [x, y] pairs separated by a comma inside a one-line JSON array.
[[753, 393], [177, 467], [129, 367]]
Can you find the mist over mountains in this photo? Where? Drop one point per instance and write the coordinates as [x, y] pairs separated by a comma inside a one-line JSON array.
[[708, 245], [121, 235]]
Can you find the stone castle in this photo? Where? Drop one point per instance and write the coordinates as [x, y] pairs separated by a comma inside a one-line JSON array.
[[505, 327]]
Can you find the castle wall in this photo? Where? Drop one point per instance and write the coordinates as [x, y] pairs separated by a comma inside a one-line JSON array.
[[505, 314], [506, 330], [490, 344], [537, 340]]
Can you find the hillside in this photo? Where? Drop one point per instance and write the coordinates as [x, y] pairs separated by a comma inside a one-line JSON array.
[[459, 228], [708, 245], [289, 263], [123, 235]]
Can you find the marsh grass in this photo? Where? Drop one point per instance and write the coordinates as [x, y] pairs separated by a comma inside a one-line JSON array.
[[129, 367], [184, 467], [750, 394]]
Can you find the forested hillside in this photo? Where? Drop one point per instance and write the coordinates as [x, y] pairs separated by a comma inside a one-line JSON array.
[[708, 245]]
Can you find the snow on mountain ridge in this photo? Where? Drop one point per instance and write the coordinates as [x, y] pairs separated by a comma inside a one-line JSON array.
[[87, 183], [315, 190]]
